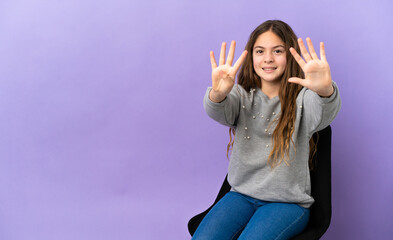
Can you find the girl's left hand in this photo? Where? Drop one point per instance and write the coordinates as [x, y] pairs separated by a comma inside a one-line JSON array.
[[316, 71]]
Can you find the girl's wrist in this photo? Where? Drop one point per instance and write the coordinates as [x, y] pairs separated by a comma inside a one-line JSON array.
[[327, 92], [216, 96]]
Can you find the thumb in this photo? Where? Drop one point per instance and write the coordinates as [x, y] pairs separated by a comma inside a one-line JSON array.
[[296, 80]]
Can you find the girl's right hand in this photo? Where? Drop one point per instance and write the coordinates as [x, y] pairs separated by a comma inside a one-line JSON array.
[[223, 75]]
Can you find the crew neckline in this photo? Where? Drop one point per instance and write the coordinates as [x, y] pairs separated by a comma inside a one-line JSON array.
[[265, 96]]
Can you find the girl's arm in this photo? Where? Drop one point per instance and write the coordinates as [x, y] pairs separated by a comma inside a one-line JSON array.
[[318, 112], [227, 111], [222, 101], [323, 102]]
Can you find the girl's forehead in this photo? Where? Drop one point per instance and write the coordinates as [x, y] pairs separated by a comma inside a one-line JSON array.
[[268, 40]]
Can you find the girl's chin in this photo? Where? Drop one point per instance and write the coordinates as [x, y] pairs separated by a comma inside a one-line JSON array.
[[270, 79]]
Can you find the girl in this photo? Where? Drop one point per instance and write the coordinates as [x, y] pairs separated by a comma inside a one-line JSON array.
[[279, 102]]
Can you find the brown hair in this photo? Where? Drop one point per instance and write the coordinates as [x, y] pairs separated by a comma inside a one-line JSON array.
[[247, 78]]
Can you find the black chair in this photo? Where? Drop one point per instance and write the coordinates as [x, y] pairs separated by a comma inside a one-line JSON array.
[[321, 210]]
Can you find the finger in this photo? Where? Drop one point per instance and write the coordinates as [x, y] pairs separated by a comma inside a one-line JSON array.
[[322, 50], [213, 60], [239, 62], [303, 50], [297, 57], [222, 53], [297, 81], [231, 53], [311, 48]]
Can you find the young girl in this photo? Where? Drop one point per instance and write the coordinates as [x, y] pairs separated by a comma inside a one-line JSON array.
[[279, 102]]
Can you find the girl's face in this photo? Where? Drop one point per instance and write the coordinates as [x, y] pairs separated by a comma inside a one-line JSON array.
[[269, 57]]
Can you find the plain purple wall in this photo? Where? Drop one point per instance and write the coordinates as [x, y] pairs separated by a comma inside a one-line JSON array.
[[103, 134]]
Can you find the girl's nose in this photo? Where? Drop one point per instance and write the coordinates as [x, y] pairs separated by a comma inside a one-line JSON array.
[[268, 58]]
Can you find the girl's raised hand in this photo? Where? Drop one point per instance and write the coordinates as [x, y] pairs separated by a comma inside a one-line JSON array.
[[316, 71], [223, 75]]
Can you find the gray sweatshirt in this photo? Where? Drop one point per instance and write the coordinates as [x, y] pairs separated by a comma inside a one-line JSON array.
[[254, 116]]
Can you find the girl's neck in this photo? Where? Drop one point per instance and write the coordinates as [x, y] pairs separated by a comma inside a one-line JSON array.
[[270, 89]]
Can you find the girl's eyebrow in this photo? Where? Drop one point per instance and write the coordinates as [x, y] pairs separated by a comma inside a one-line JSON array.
[[273, 47]]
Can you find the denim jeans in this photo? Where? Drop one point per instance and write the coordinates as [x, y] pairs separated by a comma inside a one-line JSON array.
[[237, 216]]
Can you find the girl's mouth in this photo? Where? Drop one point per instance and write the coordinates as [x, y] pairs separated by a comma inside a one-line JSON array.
[[269, 69]]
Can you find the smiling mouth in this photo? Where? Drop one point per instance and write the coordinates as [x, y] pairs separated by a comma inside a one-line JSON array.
[[269, 68]]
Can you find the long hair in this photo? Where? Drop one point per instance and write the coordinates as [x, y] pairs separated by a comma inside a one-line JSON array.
[[248, 78]]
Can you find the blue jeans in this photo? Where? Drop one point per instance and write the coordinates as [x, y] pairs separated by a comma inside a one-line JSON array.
[[237, 216]]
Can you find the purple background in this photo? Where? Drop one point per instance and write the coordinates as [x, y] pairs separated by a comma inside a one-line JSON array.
[[103, 134]]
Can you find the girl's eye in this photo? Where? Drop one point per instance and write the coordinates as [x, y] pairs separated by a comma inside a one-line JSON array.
[[278, 51], [259, 51]]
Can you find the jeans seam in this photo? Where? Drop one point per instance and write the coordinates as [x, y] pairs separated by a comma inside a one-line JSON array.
[[294, 222], [233, 237]]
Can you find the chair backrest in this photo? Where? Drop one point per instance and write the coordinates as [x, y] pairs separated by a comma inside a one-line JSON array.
[[321, 210], [321, 189]]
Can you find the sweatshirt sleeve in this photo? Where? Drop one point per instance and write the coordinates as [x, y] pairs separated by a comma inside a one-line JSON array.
[[225, 112], [319, 112]]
